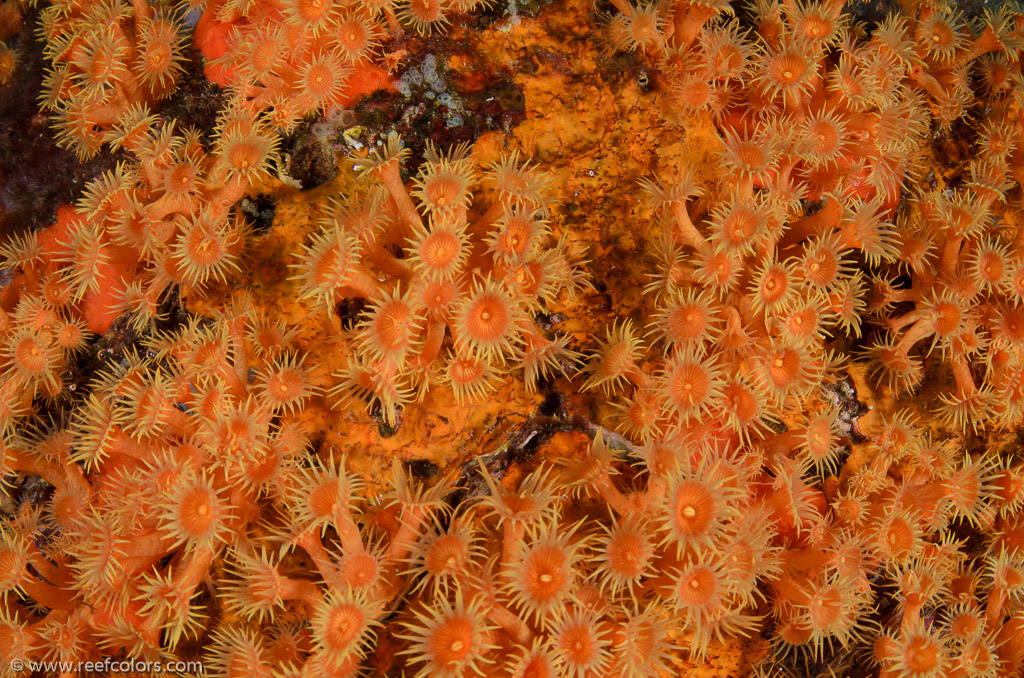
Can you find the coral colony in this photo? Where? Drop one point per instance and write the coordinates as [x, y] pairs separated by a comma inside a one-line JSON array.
[[185, 507]]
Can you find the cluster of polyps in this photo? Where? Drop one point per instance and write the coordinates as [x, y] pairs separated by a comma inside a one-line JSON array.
[[299, 57], [450, 298], [191, 463], [803, 232], [823, 126], [107, 60], [192, 457]]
